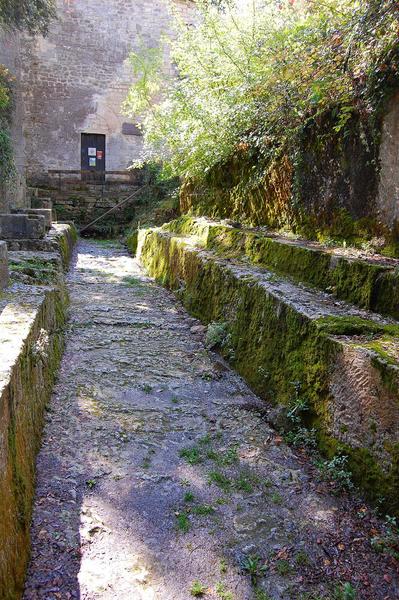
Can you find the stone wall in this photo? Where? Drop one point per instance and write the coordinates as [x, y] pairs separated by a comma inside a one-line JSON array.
[[75, 80], [31, 340]]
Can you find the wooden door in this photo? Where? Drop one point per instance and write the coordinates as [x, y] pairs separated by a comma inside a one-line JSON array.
[[93, 157]]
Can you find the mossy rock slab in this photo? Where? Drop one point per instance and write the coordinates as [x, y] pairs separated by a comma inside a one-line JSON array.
[[371, 283], [344, 359]]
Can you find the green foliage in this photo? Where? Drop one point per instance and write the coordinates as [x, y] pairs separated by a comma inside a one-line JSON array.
[[216, 335], [32, 16], [337, 471], [252, 565], [253, 77], [197, 589]]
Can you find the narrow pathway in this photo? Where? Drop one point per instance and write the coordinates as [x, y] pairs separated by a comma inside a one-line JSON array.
[[159, 474]]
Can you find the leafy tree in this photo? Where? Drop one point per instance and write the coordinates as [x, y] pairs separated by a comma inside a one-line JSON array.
[[32, 16], [252, 76]]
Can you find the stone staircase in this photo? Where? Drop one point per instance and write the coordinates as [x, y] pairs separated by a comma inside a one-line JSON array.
[[299, 320]]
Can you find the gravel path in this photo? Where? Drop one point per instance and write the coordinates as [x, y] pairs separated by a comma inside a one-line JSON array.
[[159, 473]]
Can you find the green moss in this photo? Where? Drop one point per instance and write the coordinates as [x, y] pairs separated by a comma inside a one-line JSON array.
[[369, 286], [272, 345], [131, 241]]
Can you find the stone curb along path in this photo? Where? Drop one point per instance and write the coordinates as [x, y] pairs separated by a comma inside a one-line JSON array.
[[159, 477]]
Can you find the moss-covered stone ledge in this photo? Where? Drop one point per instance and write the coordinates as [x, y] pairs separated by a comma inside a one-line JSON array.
[[32, 316], [61, 239], [343, 359], [31, 342], [371, 283]]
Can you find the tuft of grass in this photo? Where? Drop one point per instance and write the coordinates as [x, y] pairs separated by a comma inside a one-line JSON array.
[[147, 388], [252, 565], [197, 589], [345, 592], [261, 594], [91, 483], [302, 559], [203, 510], [183, 522], [220, 480], [188, 497], [223, 566], [222, 592], [132, 281], [276, 498], [191, 455], [283, 567]]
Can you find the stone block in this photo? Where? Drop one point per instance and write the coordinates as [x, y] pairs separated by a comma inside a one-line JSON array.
[[45, 212], [22, 226], [3, 265]]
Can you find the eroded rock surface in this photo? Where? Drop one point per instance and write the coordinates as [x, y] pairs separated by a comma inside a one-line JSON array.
[[158, 468]]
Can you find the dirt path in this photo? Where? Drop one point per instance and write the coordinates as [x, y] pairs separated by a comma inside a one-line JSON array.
[[159, 470]]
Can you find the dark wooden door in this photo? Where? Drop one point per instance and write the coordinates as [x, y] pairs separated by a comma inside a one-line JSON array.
[[93, 157]]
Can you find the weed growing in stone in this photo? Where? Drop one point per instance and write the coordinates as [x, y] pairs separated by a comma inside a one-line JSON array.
[[302, 559], [276, 498], [203, 510], [183, 522], [260, 594], [147, 388], [388, 540], [336, 470], [191, 455], [253, 566], [188, 497], [91, 483], [222, 592], [283, 567], [223, 566], [345, 592], [220, 480], [197, 589]]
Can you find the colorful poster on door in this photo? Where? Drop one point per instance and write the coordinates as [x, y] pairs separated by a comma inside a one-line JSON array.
[[92, 162], [92, 151]]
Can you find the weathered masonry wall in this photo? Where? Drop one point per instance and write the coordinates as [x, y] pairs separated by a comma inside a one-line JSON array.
[[344, 360], [75, 80], [31, 320]]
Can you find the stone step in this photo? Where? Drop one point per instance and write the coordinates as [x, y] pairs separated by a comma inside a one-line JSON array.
[[368, 281], [289, 340], [22, 226], [44, 212]]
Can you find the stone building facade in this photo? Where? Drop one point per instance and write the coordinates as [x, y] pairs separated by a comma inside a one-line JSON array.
[[74, 81]]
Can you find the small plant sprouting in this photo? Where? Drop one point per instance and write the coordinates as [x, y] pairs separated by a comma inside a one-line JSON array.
[[336, 470], [345, 592], [147, 388], [388, 540], [220, 480], [191, 455], [223, 566], [183, 522], [188, 497], [91, 483], [197, 589], [203, 510], [252, 565], [276, 498], [222, 593]]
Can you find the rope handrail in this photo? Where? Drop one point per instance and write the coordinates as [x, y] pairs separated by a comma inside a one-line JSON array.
[[113, 208]]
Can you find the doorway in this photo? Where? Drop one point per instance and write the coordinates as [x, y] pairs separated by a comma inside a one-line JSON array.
[[93, 157]]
